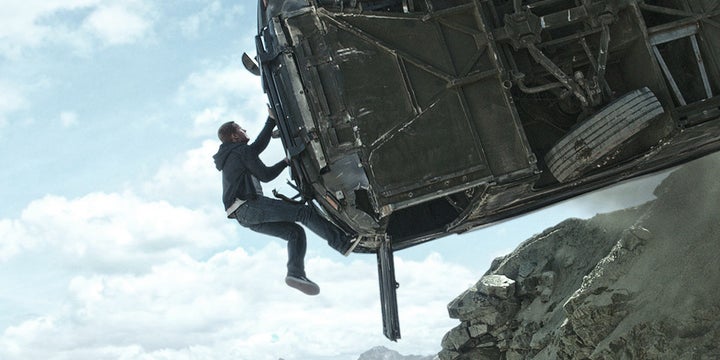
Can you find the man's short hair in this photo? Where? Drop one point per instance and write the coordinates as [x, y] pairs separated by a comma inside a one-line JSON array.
[[225, 131]]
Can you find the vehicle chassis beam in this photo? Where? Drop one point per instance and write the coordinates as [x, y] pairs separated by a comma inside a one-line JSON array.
[[388, 293]]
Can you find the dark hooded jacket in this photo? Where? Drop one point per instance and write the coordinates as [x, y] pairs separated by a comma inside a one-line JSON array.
[[242, 168]]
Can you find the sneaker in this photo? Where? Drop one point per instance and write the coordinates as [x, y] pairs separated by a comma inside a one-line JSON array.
[[303, 284], [353, 243]]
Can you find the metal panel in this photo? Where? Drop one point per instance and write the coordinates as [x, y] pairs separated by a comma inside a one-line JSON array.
[[420, 99]]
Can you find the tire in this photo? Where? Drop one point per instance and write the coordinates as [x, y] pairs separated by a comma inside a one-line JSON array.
[[602, 134]]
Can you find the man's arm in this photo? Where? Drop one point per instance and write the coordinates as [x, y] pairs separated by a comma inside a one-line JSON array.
[[262, 140], [258, 168]]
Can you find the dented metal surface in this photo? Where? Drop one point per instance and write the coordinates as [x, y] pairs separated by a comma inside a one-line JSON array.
[[402, 112], [408, 120]]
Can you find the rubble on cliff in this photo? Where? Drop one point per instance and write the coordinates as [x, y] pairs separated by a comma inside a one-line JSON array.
[[640, 283]]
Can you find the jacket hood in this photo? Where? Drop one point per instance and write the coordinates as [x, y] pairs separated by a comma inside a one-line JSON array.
[[223, 152]]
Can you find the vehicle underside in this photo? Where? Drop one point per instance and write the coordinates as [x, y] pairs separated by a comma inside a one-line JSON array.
[[408, 120]]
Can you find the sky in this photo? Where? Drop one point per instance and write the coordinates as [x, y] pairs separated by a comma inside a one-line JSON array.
[[113, 239]]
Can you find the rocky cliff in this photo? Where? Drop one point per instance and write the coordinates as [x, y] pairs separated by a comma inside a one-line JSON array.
[[641, 283]]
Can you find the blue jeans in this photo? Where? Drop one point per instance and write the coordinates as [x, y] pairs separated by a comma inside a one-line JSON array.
[[278, 218]]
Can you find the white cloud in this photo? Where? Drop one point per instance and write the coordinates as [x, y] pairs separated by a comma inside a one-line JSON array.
[[68, 118], [211, 117], [191, 26], [15, 239], [235, 305], [11, 100], [117, 25], [218, 84], [189, 179], [74, 23], [112, 232], [213, 13]]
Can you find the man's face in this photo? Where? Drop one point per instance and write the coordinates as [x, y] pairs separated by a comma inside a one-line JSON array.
[[239, 135]]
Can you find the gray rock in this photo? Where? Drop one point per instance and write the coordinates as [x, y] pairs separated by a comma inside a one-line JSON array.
[[456, 338], [477, 330], [499, 286], [475, 305], [446, 354]]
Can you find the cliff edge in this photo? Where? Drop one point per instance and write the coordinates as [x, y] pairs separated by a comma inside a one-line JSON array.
[[640, 283]]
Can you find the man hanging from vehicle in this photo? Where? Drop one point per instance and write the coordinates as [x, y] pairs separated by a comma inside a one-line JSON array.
[[242, 172]]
